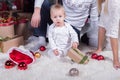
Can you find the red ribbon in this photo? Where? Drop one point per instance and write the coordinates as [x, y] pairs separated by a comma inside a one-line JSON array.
[[6, 24]]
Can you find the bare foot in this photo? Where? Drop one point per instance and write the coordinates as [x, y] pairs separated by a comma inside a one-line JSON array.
[[116, 65], [95, 51]]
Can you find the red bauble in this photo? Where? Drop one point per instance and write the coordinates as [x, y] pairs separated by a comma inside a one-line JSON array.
[[94, 56], [22, 66], [9, 64], [42, 48], [100, 57]]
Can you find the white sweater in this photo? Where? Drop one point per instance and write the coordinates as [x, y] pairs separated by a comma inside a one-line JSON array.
[[77, 11], [38, 3]]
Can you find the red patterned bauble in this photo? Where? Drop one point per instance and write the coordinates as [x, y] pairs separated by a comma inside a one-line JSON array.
[[94, 56], [22, 66], [100, 57], [9, 64], [42, 48]]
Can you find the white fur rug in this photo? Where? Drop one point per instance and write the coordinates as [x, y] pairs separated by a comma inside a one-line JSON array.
[[57, 69]]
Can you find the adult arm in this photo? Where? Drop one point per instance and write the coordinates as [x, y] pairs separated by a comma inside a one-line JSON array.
[[36, 17], [94, 14]]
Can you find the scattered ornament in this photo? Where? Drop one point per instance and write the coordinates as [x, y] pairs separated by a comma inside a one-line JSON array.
[[97, 57], [73, 72], [100, 57], [9, 64], [37, 55], [22, 66], [42, 48], [94, 56]]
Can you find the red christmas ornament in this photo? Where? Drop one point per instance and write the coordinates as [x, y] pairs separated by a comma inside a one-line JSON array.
[[94, 56], [9, 64], [22, 66], [100, 57], [42, 48]]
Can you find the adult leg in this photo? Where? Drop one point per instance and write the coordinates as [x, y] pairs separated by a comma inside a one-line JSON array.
[[83, 35], [92, 34], [41, 31], [85, 39], [45, 19], [101, 39], [114, 45]]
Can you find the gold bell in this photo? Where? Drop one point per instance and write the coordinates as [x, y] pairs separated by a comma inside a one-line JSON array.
[[37, 55]]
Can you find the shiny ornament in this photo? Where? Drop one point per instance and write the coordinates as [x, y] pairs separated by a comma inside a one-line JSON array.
[[94, 56], [37, 55], [73, 72], [9, 64], [22, 66], [42, 48], [100, 57]]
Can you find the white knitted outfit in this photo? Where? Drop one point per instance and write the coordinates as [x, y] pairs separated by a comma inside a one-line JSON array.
[[61, 38]]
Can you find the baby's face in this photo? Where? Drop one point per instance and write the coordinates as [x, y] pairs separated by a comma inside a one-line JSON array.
[[58, 17]]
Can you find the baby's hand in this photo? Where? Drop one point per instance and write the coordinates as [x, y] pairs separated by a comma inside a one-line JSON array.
[[74, 45], [56, 52]]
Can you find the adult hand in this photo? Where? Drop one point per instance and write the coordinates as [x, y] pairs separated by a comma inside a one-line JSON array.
[[36, 18]]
